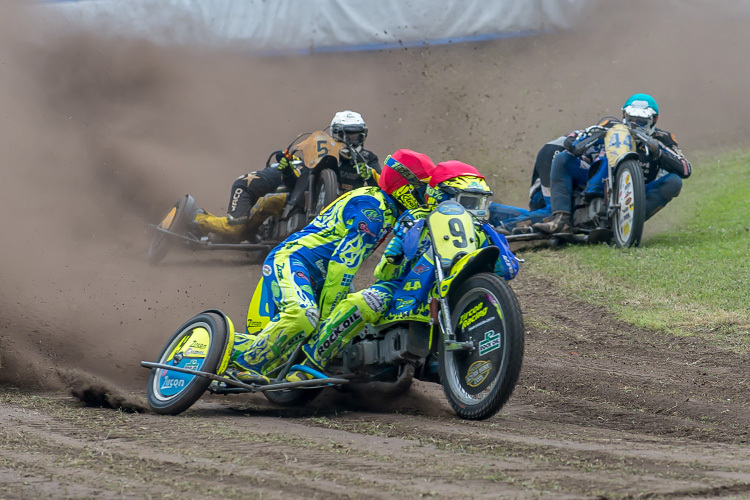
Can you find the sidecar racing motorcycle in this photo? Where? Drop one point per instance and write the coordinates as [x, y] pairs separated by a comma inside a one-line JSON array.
[[619, 216], [454, 322], [275, 216]]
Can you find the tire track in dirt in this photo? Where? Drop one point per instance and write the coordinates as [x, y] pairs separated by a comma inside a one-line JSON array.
[[231, 447]]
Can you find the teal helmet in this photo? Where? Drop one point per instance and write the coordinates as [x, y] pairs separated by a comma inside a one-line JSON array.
[[641, 111]]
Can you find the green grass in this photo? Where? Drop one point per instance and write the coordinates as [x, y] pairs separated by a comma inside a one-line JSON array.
[[691, 274]]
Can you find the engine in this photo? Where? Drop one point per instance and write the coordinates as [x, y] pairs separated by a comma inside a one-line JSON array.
[[395, 346]]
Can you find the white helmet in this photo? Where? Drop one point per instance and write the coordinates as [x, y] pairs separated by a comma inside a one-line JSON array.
[[349, 127]]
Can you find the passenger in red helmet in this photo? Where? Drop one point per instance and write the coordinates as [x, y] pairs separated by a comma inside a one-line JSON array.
[[451, 180]]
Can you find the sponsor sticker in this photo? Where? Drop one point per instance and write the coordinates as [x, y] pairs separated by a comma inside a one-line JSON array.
[[477, 325], [450, 209], [372, 215], [267, 270], [362, 226], [372, 300], [421, 269], [405, 303], [477, 373], [312, 316], [235, 198], [490, 343], [345, 325], [469, 317], [172, 383]]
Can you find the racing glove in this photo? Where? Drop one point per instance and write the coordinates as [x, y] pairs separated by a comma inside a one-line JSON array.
[[285, 163], [394, 251], [365, 172]]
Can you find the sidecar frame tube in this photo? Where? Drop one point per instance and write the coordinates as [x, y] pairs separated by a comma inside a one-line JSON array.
[[249, 387], [207, 245]]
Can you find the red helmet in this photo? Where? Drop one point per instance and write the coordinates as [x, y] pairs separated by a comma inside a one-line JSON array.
[[449, 169], [455, 180], [405, 176]]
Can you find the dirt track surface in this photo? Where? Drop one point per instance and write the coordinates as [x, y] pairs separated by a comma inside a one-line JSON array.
[[602, 410], [99, 136]]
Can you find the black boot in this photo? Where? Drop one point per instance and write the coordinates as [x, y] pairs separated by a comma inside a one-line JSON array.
[[558, 223]]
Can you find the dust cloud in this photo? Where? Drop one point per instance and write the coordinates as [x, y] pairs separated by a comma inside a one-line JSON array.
[[99, 134]]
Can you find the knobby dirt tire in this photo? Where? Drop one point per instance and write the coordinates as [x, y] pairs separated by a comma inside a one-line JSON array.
[[160, 242], [627, 223], [326, 189], [171, 393], [478, 383]]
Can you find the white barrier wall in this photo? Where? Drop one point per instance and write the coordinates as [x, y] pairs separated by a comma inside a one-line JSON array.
[[320, 25]]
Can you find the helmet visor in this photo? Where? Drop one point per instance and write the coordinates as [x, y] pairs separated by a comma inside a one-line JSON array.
[[475, 203], [639, 121], [356, 138], [354, 134]]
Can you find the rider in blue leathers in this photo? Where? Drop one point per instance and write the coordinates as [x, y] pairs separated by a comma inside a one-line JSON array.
[[664, 166]]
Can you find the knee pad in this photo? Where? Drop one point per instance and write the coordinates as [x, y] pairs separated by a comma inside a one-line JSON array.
[[305, 320]]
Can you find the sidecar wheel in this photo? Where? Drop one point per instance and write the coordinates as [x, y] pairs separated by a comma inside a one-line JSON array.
[[176, 220], [326, 190], [478, 383], [629, 216], [292, 397], [199, 344]]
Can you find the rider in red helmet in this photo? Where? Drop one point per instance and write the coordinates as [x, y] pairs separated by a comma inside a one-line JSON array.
[[450, 180]]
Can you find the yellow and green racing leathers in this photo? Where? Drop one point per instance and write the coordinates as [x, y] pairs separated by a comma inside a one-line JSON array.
[[310, 272], [374, 303]]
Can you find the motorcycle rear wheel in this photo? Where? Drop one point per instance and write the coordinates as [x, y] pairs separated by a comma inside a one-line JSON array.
[[629, 216], [478, 383], [176, 220], [326, 189], [199, 344]]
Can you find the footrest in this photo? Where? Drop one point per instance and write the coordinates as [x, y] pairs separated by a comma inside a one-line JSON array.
[[308, 370]]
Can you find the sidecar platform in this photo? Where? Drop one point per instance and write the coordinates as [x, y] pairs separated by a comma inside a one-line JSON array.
[[241, 387], [195, 243], [555, 239]]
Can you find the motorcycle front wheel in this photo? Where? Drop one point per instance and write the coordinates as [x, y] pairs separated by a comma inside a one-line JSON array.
[[629, 215], [198, 345], [326, 189], [176, 221], [485, 311]]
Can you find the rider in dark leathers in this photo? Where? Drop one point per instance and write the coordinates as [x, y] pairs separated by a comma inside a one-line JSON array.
[[664, 166], [356, 166]]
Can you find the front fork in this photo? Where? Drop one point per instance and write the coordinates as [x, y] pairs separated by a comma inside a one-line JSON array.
[[444, 319]]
